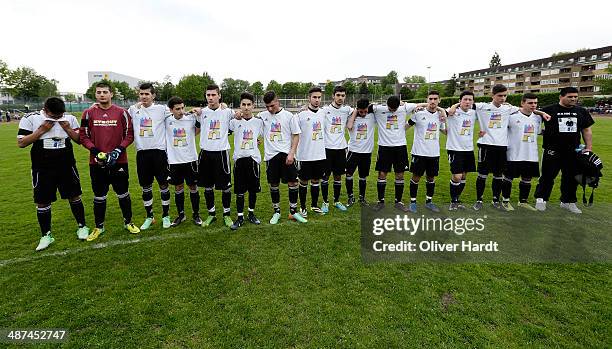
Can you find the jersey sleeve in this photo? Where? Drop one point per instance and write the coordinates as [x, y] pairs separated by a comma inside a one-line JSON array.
[[232, 125], [409, 107], [74, 124], [128, 130], [479, 105], [514, 109], [587, 120], [84, 131], [295, 125], [25, 127]]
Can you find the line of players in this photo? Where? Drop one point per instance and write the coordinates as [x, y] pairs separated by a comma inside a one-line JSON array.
[[302, 149]]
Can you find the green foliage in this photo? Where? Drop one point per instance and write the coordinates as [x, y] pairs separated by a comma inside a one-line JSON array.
[[406, 93], [329, 88], [451, 87], [191, 88], [305, 87], [257, 88], [495, 61], [350, 88], [390, 79], [165, 89], [275, 86], [231, 90], [70, 97], [605, 85], [415, 79], [363, 88], [291, 89], [25, 82]]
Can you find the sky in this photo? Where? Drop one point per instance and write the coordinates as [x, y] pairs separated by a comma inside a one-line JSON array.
[[315, 41]]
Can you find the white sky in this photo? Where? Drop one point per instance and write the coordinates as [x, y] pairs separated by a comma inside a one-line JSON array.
[[287, 40]]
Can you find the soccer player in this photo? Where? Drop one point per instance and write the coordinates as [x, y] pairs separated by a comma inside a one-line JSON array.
[[336, 116], [106, 131], [522, 154], [392, 152], [214, 161], [561, 137], [281, 138], [361, 127], [148, 119], [247, 131], [181, 131], [460, 147], [50, 133], [311, 151], [425, 151]]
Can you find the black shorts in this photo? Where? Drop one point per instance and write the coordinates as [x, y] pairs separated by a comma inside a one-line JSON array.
[[186, 172], [461, 161], [246, 176], [277, 171], [47, 181], [308, 170], [336, 162], [152, 163], [101, 177], [429, 165], [527, 169], [392, 157], [491, 159], [215, 169], [362, 161]]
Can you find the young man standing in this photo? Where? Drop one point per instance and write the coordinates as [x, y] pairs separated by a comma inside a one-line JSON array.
[[214, 161], [361, 127], [50, 132], [106, 131], [425, 151], [336, 116], [247, 131], [181, 131], [562, 135], [281, 137], [522, 154], [460, 147], [151, 158]]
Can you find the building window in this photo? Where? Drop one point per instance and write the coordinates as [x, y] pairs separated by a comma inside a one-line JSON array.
[[575, 74], [606, 55], [601, 65], [581, 59]]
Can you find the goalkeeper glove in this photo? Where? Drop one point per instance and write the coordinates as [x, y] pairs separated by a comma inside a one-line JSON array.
[[113, 156]]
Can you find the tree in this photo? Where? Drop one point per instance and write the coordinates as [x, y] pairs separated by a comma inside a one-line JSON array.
[[125, 92], [275, 86], [388, 90], [495, 61], [165, 89], [4, 72], [363, 88], [231, 90], [390, 79], [329, 88], [291, 89], [305, 87], [191, 88], [350, 87], [24, 82], [415, 79], [257, 88], [70, 97], [605, 85], [451, 87], [422, 91], [406, 93]]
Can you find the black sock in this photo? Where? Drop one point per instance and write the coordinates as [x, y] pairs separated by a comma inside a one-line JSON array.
[[461, 187], [381, 184], [414, 190], [524, 189], [454, 190], [165, 199], [125, 203], [497, 187], [506, 188], [147, 200], [179, 201], [252, 200], [324, 189], [430, 188], [194, 196], [226, 200], [293, 199], [349, 185], [481, 182], [314, 194], [275, 195], [78, 211], [44, 219], [362, 187], [302, 193], [99, 210], [240, 203], [337, 189], [399, 190], [209, 197]]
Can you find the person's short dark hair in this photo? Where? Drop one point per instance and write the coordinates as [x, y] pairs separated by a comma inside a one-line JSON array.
[[433, 92], [499, 88], [363, 103], [466, 93], [269, 97], [212, 87], [104, 84], [565, 90], [174, 101], [528, 95], [147, 86], [55, 105], [246, 95], [314, 89], [393, 102], [339, 89]]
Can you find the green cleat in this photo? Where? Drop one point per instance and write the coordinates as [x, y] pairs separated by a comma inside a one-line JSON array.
[[227, 220], [147, 223], [45, 241], [166, 223], [82, 233], [275, 218], [298, 217], [209, 220]]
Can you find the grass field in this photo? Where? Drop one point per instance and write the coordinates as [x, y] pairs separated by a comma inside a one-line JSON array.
[[280, 286]]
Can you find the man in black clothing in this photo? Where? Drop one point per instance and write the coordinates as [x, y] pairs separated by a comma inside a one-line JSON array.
[[562, 135]]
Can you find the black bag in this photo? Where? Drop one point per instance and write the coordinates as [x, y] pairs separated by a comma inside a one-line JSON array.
[[588, 173]]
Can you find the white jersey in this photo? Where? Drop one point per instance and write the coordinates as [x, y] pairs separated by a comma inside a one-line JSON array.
[[181, 139], [246, 133], [312, 138], [494, 121], [32, 121], [149, 126], [215, 128], [426, 133], [392, 125], [460, 130], [335, 125], [361, 137], [523, 133], [278, 131]]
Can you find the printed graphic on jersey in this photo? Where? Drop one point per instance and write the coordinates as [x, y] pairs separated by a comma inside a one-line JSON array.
[[432, 131], [568, 125], [466, 128], [275, 134], [179, 137], [336, 124], [362, 131], [146, 127], [529, 133], [247, 140], [392, 122], [495, 120], [214, 130], [317, 132]]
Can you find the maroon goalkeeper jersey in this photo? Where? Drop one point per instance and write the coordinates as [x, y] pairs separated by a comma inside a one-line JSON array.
[[105, 130]]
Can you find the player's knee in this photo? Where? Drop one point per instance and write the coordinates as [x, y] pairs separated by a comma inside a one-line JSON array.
[[75, 198], [179, 187]]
